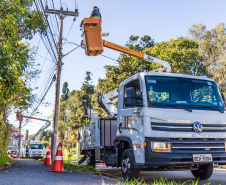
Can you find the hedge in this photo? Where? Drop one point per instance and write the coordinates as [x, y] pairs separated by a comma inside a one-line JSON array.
[[4, 138]]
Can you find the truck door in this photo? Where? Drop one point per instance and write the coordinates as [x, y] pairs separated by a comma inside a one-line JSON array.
[[131, 116]]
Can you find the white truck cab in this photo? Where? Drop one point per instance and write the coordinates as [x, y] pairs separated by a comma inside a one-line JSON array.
[[35, 150], [165, 121]]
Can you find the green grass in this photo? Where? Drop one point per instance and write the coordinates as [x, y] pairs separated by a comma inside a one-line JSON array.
[[79, 168], [220, 166], [42, 159], [161, 181], [4, 160], [71, 154]]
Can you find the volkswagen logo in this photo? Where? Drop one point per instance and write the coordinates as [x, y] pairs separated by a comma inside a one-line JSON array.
[[197, 127]]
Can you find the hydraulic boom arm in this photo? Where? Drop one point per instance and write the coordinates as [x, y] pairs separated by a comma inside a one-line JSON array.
[[137, 54], [48, 123], [93, 43]]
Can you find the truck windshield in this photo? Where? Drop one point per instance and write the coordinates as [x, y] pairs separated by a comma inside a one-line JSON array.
[[36, 146], [184, 93]]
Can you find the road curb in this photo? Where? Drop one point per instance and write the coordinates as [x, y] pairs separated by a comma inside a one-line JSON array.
[[7, 165]]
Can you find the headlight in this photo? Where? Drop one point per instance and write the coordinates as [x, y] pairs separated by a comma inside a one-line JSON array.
[[160, 146]]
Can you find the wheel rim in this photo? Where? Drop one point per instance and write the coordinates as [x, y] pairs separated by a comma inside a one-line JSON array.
[[126, 166]]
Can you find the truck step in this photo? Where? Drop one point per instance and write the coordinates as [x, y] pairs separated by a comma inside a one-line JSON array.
[[82, 159]]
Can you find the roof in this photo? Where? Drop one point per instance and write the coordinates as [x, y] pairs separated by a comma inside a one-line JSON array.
[[166, 74], [175, 75]]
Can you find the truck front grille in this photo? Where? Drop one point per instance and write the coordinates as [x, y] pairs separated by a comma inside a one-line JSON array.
[[187, 127], [36, 152], [198, 146]]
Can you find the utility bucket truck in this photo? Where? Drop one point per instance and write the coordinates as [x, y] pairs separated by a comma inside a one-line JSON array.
[[163, 121], [32, 148]]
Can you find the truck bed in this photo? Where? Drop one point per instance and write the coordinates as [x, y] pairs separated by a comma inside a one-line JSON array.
[[100, 133]]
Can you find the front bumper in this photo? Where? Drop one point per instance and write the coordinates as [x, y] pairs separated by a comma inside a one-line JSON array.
[[182, 152], [35, 156]]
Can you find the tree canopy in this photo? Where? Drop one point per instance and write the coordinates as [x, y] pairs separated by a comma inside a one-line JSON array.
[[73, 110], [17, 22], [212, 45]]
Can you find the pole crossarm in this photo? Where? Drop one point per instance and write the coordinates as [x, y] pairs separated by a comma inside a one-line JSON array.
[[62, 12]]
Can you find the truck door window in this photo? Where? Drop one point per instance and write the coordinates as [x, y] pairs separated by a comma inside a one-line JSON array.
[[133, 95]]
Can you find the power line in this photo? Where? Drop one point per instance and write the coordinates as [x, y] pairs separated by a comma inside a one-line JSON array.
[[41, 67], [33, 112], [46, 59], [49, 44], [49, 70], [84, 64], [101, 54], [55, 14], [69, 31], [70, 51], [109, 58]]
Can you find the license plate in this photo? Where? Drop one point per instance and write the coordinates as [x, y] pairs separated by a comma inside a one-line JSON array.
[[202, 157]]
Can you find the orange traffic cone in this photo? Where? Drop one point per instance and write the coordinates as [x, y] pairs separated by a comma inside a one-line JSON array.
[[58, 165], [48, 161]]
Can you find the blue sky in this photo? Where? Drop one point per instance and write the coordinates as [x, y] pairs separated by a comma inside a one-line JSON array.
[[162, 20]]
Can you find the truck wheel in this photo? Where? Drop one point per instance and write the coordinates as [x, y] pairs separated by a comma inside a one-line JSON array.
[[127, 166], [203, 172], [91, 161]]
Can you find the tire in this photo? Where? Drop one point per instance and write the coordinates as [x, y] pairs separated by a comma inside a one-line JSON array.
[[203, 172], [127, 166]]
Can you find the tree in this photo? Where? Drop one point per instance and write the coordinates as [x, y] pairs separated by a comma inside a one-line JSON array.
[[17, 22], [62, 125], [182, 54], [212, 46], [65, 92], [73, 110], [45, 135]]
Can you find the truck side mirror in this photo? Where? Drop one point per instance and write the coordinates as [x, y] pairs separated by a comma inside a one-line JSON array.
[[224, 99]]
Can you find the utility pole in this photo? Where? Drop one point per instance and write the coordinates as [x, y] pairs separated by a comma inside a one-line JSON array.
[[61, 14], [19, 142]]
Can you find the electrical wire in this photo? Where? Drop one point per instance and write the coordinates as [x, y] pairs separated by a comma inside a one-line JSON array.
[[51, 43], [109, 58], [69, 31], [55, 14], [51, 46], [101, 54], [84, 64]]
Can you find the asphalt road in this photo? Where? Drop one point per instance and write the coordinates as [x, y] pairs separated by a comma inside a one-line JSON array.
[[218, 177], [26, 172], [30, 172]]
